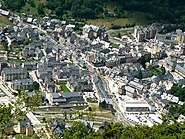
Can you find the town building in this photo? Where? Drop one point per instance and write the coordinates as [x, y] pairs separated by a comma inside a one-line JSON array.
[[130, 91], [25, 128], [29, 65], [112, 62], [182, 50], [90, 56], [66, 98], [106, 103], [24, 84], [177, 67], [4, 12], [3, 64], [58, 128], [136, 106], [122, 90], [9, 74], [143, 33], [9, 129], [180, 36], [98, 62], [93, 32]]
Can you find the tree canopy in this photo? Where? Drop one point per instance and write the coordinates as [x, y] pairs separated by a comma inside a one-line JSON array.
[[139, 74], [14, 5], [165, 10], [119, 131], [176, 109], [36, 86], [78, 8], [178, 91], [5, 117]]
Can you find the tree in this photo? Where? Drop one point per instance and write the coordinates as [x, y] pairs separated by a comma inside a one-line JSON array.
[[5, 118], [119, 131], [52, 4], [5, 46], [142, 61], [26, 42], [80, 114], [36, 85], [40, 9], [32, 3], [90, 109], [70, 115], [59, 11], [65, 115], [178, 91], [90, 115], [172, 46], [119, 35], [14, 111], [30, 102], [14, 5], [163, 70], [77, 131], [139, 74], [157, 10]]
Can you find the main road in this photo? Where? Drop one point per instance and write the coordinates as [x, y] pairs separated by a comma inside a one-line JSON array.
[[95, 72], [115, 103]]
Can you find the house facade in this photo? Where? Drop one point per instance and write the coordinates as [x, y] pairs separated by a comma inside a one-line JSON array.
[[9, 74]]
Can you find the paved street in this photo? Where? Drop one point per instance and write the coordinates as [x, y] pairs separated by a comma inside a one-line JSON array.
[[116, 105], [109, 93]]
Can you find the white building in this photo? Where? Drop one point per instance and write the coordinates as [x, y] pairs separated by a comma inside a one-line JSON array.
[[135, 107]]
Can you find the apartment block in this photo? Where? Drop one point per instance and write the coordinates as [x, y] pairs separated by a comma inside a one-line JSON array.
[[9, 74]]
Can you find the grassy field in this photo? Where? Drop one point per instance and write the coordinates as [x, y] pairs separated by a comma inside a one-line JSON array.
[[156, 71], [64, 88], [101, 112], [4, 20], [137, 18], [79, 107], [21, 137], [70, 64], [122, 33], [115, 46]]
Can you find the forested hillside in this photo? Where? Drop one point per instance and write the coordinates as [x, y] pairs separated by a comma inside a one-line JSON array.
[[167, 10], [170, 10]]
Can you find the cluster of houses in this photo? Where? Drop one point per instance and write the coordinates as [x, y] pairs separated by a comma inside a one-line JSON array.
[[18, 77], [41, 54], [52, 54], [93, 32], [175, 38], [122, 65]]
